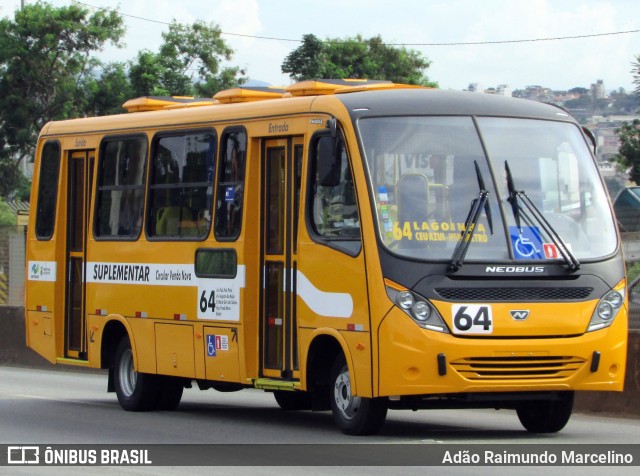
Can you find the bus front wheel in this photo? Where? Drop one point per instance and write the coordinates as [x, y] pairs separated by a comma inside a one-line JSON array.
[[354, 415], [546, 416], [136, 391], [292, 401]]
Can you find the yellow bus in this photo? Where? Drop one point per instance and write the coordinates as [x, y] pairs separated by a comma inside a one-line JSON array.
[[353, 246]]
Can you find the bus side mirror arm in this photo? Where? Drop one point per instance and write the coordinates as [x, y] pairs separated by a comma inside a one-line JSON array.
[[332, 124]]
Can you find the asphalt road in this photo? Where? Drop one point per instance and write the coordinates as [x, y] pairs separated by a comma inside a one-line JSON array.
[[51, 407]]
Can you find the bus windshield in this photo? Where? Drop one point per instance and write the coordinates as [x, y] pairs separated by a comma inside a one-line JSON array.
[[426, 172]]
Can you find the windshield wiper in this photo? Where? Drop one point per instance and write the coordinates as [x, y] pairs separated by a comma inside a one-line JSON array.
[[477, 204], [519, 214], [513, 196]]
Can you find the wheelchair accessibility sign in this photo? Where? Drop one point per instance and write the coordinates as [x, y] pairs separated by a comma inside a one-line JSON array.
[[527, 243], [216, 343]]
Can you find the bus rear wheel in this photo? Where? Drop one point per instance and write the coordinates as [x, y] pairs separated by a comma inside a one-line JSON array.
[[546, 416], [354, 415], [169, 392], [136, 391]]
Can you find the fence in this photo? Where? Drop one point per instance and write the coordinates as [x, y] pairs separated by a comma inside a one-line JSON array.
[[13, 269]]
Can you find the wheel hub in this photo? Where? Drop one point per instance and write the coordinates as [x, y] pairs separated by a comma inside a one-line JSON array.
[[128, 375], [345, 401]]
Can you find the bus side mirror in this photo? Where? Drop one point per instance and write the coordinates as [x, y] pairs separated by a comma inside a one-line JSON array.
[[328, 161]]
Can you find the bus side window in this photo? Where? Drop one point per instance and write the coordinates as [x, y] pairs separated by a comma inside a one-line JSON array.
[[47, 190], [230, 194], [334, 209], [180, 189], [120, 191]]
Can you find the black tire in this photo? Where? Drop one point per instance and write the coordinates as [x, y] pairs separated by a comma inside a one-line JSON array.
[[136, 391], [353, 415], [546, 416], [292, 401], [169, 392]]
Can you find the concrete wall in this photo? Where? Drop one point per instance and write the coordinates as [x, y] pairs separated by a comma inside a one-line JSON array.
[[13, 347], [625, 403], [12, 265], [13, 351]]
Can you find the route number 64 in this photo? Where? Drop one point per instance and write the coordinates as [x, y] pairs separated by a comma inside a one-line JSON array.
[[472, 319]]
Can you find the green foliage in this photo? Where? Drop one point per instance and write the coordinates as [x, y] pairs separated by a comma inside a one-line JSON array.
[[628, 156], [187, 64], [306, 61], [624, 103], [636, 75], [45, 54], [228, 78], [579, 90], [633, 271], [7, 216], [583, 102], [106, 93], [146, 75], [356, 58]]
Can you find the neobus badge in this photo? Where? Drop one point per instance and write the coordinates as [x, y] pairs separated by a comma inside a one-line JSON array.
[[514, 269]]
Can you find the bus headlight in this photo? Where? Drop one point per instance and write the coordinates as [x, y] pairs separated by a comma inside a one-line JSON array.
[[615, 299], [605, 311], [419, 309], [404, 300], [607, 308]]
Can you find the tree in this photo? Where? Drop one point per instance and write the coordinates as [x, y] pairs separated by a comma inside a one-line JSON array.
[[45, 55], [624, 103], [583, 102], [356, 58], [636, 75], [7, 215], [629, 152], [107, 92], [306, 61], [187, 64], [579, 90]]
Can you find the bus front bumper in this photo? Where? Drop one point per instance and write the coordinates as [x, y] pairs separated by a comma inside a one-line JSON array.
[[414, 361]]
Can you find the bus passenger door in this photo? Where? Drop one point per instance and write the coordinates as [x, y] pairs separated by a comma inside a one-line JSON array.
[[80, 172], [281, 165]]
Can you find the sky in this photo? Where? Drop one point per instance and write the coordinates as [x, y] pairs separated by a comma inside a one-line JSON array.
[[427, 26]]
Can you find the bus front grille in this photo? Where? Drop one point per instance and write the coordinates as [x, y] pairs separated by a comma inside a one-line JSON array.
[[517, 368], [515, 294]]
